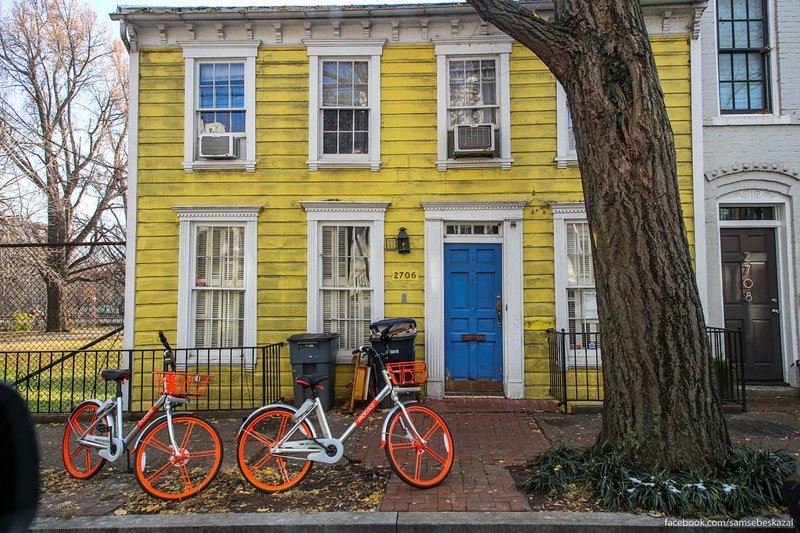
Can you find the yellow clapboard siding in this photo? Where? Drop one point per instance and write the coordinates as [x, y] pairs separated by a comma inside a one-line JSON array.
[[408, 176]]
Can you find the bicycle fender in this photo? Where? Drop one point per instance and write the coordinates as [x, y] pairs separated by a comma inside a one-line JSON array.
[[152, 422], [389, 417], [270, 406], [95, 401]]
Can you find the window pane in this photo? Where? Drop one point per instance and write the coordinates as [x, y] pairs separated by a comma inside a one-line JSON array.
[[580, 270], [726, 96], [219, 319], [346, 120], [725, 35], [329, 143], [740, 94], [237, 74], [237, 96], [345, 256], [489, 93], [740, 9], [456, 71], [755, 71], [570, 132], [361, 95], [739, 67], [361, 72], [206, 97], [724, 9], [329, 72], [361, 120], [237, 122], [360, 143], [345, 143], [756, 96], [747, 213], [756, 9], [488, 70], [329, 95], [221, 73], [347, 313], [221, 96], [330, 118], [206, 74], [740, 34], [345, 72], [756, 35], [345, 95], [725, 71]]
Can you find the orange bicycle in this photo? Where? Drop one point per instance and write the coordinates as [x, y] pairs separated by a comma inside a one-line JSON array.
[[277, 444], [175, 456]]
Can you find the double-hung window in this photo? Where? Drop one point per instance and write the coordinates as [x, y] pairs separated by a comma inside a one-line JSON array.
[[473, 98], [566, 154], [345, 270], [219, 122], [344, 104], [743, 56], [217, 284], [576, 295]]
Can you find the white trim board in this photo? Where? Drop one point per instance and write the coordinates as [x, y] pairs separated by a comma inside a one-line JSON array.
[[510, 214]]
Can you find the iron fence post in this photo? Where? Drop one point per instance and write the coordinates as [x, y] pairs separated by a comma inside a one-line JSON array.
[[564, 368]]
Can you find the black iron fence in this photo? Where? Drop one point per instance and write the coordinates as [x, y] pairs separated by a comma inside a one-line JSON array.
[[55, 381], [575, 361]]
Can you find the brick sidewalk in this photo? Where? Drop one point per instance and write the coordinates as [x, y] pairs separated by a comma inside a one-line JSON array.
[[490, 434]]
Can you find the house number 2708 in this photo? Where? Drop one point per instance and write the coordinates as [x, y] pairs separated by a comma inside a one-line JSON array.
[[747, 282]]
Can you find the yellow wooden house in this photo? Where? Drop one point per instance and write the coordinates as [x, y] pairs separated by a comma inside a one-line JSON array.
[[277, 154]]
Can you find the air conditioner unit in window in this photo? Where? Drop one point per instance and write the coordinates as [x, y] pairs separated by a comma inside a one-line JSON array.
[[219, 146], [473, 139]]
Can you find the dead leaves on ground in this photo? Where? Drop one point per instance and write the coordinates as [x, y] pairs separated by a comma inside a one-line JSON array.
[[327, 488]]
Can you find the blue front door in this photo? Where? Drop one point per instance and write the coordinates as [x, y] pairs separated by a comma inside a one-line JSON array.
[[473, 290]]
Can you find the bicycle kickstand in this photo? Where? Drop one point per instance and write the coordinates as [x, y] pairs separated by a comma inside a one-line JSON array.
[[128, 460]]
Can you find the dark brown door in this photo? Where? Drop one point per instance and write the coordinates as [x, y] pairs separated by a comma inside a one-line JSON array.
[[750, 292]]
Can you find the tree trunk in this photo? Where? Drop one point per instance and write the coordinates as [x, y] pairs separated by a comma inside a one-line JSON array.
[[659, 385], [56, 272]]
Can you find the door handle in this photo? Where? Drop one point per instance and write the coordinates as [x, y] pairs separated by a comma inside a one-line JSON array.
[[499, 308], [776, 312]]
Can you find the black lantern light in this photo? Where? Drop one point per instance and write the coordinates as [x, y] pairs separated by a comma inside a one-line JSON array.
[[403, 242]]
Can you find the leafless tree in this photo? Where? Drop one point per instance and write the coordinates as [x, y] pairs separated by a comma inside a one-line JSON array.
[[63, 128], [659, 386]]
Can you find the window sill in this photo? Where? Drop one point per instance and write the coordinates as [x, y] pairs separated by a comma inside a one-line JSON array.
[[191, 166], [503, 164], [566, 161], [748, 120], [314, 165]]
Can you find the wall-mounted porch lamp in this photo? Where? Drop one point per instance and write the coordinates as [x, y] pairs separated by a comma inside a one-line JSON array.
[[403, 242]]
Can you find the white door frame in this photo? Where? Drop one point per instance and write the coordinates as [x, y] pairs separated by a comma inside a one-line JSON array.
[[509, 213]]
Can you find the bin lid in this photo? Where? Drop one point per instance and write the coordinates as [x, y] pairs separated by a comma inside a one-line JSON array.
[[394, 322], [312, 337]]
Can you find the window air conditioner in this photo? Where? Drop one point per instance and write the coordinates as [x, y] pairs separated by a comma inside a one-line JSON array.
[[219, 146], [473, 139]]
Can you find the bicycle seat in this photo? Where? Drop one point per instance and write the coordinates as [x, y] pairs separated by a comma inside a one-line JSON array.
[[115, 375], [312, 380]]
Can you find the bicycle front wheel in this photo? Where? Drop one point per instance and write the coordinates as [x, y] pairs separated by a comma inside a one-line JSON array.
[[263, 470], [164, 473], [80, 461], [421, 463]]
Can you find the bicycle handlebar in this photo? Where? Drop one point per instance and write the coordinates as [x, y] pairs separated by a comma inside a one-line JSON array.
[[169, 358]]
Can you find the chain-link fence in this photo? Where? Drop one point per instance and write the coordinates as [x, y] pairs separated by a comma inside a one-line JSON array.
[[61, 297]]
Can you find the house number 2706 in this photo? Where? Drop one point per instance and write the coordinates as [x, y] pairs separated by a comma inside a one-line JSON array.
[[404, 274], [747, 282]]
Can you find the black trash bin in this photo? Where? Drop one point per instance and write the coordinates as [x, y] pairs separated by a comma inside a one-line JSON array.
[[403, 332], [313, 353]]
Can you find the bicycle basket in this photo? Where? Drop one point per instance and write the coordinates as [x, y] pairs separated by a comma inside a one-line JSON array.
[[407, 374], [182, 384]]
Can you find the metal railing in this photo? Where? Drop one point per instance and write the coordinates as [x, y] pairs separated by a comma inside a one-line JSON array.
[[575, 362], [55, 381]]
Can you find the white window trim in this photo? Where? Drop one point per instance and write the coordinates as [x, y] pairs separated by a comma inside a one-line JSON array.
[[191, 216], [372, 214], [228, 51], [565, 157], [562, 213], [749, 119], [500, 48], [510, 214], [371, 50]]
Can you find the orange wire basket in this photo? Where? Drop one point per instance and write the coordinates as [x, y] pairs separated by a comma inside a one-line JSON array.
[[408, 374], [182, 384]]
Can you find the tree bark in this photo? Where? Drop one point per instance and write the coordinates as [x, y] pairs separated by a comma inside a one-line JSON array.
[[660, 389]]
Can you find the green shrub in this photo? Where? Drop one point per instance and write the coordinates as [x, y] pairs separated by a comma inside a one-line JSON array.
[[750, 484], [21, 321]]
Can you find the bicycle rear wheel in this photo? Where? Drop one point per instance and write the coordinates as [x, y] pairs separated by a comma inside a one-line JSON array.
[[262, 469], [420, 463], [174, 476], [81, 462]]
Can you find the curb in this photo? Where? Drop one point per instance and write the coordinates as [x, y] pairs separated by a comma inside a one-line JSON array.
[[505, 522]]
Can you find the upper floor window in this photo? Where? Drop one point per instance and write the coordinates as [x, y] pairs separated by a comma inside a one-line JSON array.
[[220, 105], [566, 154], [473, 103], [344, 104], [743, 42]]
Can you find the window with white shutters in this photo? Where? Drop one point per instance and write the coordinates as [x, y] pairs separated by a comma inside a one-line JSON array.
[[219, 287], [346, 285]]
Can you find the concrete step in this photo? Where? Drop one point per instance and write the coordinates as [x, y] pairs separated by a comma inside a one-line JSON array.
[[771, 391]]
